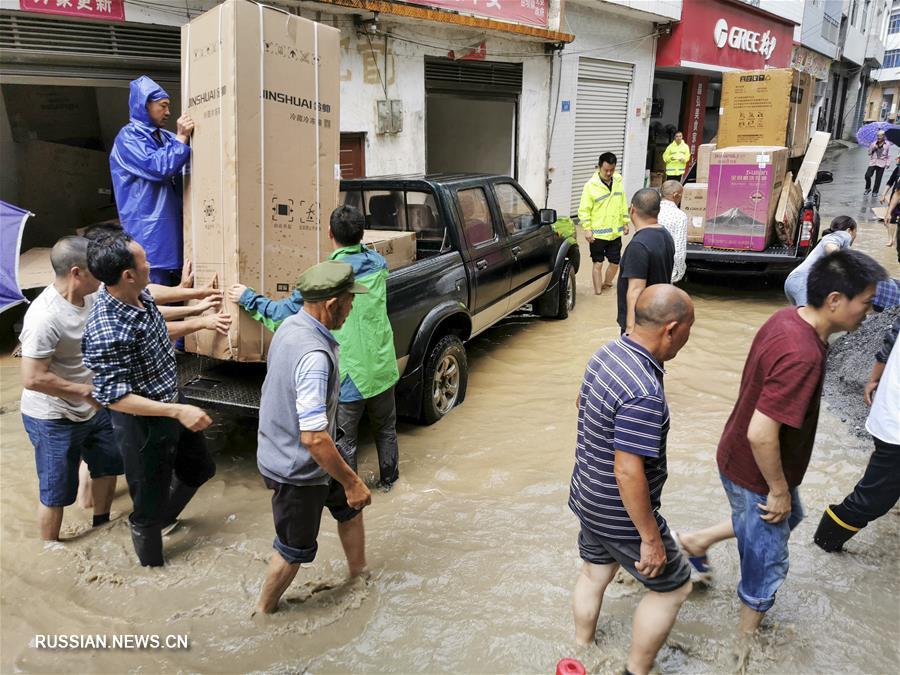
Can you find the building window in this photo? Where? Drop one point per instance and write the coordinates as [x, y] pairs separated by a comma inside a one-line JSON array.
[[854, 5], [865, 16], [894, 25], [891, 58], [831, 29]]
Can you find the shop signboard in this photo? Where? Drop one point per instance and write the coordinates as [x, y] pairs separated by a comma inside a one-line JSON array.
[[693, 133], [531, 12], [807, 61], [103, 10], [721, 36]]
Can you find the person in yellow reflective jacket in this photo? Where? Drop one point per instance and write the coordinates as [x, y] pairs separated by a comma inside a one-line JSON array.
[[677, 156], [603, 215]]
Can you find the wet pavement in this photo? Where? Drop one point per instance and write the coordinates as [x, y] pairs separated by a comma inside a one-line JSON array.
[[473, 554]]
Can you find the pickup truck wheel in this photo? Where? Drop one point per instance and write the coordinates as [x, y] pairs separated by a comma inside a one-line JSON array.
[[446, 376], [566, 292]]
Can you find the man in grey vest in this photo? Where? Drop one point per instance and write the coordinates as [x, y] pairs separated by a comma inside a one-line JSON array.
[[296, 451]]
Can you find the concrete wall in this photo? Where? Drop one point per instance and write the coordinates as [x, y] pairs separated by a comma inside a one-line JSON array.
[[363, 80], [619, 39], [809, 33]]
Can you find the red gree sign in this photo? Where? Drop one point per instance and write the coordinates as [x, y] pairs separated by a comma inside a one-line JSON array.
[[106, 10]]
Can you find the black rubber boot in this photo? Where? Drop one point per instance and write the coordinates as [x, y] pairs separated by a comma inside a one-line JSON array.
[[148, 545], [832, 533], [179, 496]]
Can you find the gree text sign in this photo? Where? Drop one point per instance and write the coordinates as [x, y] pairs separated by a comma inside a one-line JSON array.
[[742, 38], [717, 36], [105, 10]]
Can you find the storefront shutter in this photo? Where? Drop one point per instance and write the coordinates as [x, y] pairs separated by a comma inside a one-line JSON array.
[[601, 111], [41, 50], [477, 77]]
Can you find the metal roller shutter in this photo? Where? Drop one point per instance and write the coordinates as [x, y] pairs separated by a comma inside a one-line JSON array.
[[601, 111], [494, 78], [36, 49]]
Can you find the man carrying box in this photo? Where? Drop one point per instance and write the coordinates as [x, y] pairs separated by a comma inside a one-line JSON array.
[[368, 364], [145, 164]]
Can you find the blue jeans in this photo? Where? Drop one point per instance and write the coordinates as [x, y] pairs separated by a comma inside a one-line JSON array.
[[59, 446], [795, 289], [762, 546]]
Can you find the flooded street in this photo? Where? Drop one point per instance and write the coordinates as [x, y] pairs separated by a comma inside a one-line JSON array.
[[473, 554]]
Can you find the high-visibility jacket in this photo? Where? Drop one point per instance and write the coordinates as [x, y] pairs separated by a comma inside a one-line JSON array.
[[603, 211], [676, 157]]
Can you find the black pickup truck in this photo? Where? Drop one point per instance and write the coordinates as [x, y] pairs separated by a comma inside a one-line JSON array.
[[483, 250], [778, 259]]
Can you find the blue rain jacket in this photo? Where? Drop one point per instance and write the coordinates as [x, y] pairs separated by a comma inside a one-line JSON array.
[[146, 179]]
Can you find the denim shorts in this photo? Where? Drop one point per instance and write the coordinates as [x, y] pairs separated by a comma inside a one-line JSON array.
[[762, 546], [59, 446]]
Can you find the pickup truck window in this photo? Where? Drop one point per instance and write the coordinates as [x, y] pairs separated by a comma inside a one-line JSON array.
[[476, 216], [385, 210], [517, 214]]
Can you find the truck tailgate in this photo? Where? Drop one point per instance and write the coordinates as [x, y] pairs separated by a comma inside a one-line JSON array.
[[221, 385]]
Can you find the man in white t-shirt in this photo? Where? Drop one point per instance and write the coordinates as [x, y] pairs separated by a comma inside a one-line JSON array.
[[63, 421], [878, 490], [675, 221]]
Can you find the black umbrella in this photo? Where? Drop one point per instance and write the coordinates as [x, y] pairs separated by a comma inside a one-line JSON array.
[[893, 136]]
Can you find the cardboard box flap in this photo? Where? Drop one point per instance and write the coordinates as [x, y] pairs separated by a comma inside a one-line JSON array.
[[806, 176], [35, 270]]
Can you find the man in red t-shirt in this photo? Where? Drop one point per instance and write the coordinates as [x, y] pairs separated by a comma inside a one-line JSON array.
[[767, 442]]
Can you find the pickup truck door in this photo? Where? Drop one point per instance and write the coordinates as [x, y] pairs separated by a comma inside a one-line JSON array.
[[530, 243], [489, 261]]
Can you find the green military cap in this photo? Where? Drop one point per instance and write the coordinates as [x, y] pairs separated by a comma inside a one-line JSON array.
[[328, 280]]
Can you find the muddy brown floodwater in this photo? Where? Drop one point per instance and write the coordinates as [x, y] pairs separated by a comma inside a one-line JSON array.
[[473, 554]]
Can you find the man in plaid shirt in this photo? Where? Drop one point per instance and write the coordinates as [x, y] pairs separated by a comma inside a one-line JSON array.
[[127, 344]]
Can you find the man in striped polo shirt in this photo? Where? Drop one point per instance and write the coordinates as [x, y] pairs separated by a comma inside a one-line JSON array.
[[620, 469]]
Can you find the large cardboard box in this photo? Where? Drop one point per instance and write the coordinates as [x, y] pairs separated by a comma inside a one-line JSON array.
[[704, 152], [744, 187], [263, 87], [766, 107], [693, 203], [398, 248], [65, 187], [787, 215]]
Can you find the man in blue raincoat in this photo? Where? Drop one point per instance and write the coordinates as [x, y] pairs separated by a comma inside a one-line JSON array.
[[146, 163]]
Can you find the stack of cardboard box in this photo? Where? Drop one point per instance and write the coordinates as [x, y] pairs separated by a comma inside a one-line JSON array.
[[764, 120]]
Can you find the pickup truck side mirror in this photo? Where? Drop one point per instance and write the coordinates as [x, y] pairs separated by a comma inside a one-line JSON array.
[[547, 216], [823, 177]]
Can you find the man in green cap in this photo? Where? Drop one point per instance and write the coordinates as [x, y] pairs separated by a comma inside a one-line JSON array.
[[296, 452]]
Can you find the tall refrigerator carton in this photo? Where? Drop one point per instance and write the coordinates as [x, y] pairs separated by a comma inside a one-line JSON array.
[[745, 184], [263, 88]]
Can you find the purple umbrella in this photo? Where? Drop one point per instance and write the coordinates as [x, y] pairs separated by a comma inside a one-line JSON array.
[[865, 135], [12, 223]]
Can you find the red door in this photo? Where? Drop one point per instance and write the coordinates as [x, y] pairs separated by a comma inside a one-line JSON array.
[[353, 155]]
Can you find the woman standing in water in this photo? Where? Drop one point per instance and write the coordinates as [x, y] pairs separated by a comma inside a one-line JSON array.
[[840, 235]]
